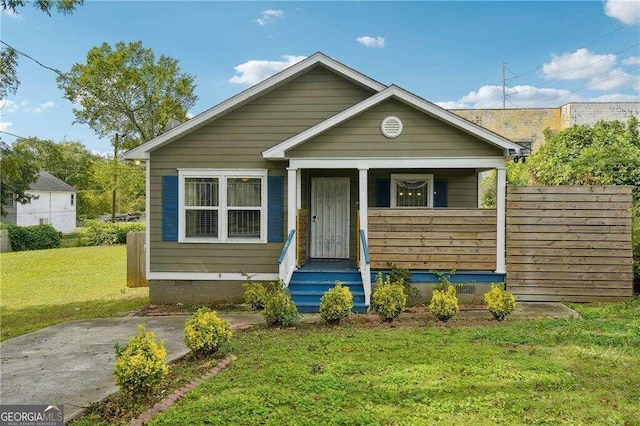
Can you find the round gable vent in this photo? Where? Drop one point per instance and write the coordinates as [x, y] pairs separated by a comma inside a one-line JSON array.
[[391, 127]]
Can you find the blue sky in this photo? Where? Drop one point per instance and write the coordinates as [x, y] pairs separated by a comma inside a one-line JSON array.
[[450, 53]]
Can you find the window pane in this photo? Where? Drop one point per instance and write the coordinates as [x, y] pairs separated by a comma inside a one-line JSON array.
[[244, 192], [201, 192], [244, 224], [411, 193], [202, 223]]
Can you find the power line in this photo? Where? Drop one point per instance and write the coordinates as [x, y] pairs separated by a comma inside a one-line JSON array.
[[12, 134], [586, 45], [57, 71]]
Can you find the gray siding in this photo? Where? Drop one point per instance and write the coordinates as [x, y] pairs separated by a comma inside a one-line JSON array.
[[237, 141], [423, 136]]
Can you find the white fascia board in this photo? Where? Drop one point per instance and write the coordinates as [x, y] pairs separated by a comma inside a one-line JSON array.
[[278, 151], [142, 152], [210, 276], [399, 163]]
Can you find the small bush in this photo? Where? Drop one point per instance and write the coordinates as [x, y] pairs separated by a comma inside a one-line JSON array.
[[36, 237], [256, 294], [336, 304], [388, 300], [444, 304], [205, 331], [97, 233], [499, 302], [402, 275], [140, 365], [279, 309]]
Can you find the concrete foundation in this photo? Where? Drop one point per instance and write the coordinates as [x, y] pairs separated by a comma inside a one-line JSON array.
[[204, 292]]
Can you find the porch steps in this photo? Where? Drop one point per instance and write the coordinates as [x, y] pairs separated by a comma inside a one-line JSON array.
[[308, 286]]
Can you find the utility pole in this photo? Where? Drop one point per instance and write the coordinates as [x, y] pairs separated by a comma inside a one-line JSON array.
[[115, 179], [504, 85]]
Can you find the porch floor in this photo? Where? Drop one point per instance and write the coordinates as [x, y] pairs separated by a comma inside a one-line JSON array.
[[328, 265]]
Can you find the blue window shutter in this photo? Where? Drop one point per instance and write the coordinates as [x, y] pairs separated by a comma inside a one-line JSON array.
[[275, 209], [383, 192], [440, 193], [169, 208]]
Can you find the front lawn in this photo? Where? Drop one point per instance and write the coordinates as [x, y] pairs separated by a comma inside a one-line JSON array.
[[577, 371], [45, 287]]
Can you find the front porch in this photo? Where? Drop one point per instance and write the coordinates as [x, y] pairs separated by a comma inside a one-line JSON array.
[[433, 237]]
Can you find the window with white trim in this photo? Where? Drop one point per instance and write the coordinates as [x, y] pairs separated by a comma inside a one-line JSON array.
[[411, 190], [10, 199], [222, 205]]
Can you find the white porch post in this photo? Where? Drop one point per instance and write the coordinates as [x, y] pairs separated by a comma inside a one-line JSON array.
[[501, 190], [292, 201], [365, 268]]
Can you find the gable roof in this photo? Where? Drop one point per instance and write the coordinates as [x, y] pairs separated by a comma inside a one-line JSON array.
[[393, 91], [48, 182], [142, 151]]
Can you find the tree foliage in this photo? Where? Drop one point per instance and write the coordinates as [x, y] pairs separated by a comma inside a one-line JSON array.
[[517, 174], [68, 161], [607, 153], [18, 172], [124, 90], [8, 74], [129, 184], [46, 6]]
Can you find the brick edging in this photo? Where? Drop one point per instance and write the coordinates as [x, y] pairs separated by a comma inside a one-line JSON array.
[[168, 401]]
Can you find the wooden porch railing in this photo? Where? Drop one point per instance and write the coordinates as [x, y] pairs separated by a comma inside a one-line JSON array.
[[439, 239]]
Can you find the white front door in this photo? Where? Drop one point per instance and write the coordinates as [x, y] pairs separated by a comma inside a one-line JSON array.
[[330, 218]]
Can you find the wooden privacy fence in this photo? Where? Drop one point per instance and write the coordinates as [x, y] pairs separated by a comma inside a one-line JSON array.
[[569, 243], [441, 239], [136, 269]]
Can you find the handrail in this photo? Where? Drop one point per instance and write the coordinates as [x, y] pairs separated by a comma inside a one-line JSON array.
[[285, 249], [365, 246]]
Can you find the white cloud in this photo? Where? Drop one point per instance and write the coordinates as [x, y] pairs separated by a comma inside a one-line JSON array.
[[616, 97], [40, 108], [631, 60], [7, 106], [578, 65], [626, 11], [517, 97], [371, 41], [5, 125], [269, 15], [254, 71], [614, 79]]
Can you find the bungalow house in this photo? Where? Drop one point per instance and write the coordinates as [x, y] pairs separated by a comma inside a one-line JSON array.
[[318, 174], [53, 202]]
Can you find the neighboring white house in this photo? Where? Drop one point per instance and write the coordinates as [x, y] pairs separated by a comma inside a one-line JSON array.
[[54, 203]]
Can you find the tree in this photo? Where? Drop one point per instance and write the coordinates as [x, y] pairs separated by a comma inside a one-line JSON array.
[[18, 172], [517, 174], [8, 56], [125, 91], [68, 161], [124, 178], [607, 153]]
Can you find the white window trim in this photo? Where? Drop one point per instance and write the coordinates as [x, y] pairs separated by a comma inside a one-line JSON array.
[[396, 177], [10, 199], [222, 175]]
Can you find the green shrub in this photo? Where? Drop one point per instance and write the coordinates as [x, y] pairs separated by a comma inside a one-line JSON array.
[[499, 302], [205, 331], [36, 237], [256, 294], [444, 303], [402, 275], [279, 309], [336, 304], [388, 300], [444, 279], [97, 233], [140, 365]]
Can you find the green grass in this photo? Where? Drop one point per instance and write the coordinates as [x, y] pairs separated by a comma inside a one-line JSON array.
[[45, 287], [576, 371]]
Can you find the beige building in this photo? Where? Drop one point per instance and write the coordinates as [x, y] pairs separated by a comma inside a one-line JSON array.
[[527, 125]]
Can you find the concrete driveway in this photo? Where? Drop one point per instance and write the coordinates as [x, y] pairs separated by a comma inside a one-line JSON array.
[[72, 363]]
